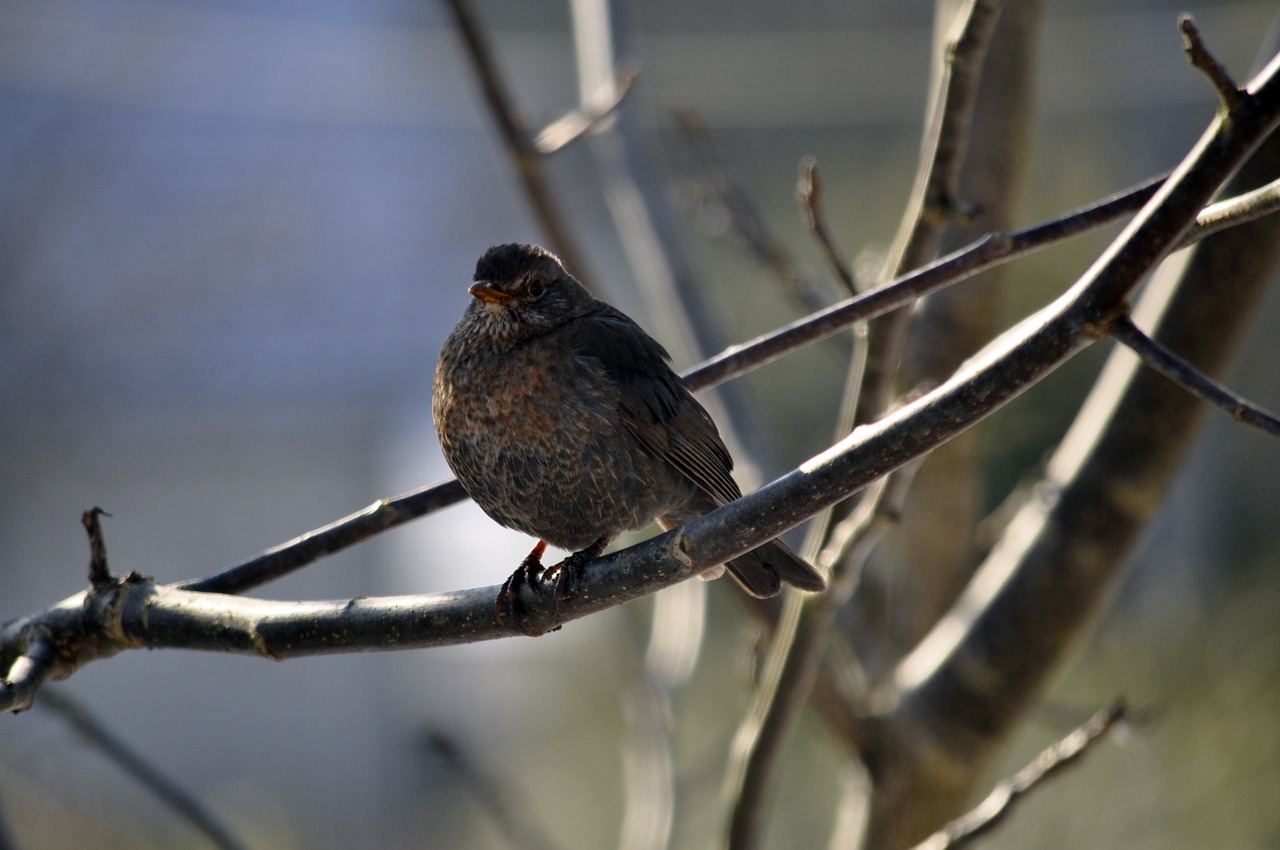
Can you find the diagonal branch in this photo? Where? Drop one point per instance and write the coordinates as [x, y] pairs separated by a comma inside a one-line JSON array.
[[145, 773], [934, 202], [999, 804], [572, 126], [1191, 379]]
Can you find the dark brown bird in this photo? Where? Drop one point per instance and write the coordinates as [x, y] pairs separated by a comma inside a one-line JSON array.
[[562, 419]]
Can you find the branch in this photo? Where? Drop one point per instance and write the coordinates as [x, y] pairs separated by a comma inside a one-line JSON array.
[[314, 545], [1191, 379], [1200, 57], [572, 126], [795, 653], [27, 674], [934, 202], [99, 574], [999, 804], [745, 218], [809, 193], [146, 774], [523, 152]]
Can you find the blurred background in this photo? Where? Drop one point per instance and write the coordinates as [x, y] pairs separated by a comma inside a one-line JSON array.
[[233, 234]]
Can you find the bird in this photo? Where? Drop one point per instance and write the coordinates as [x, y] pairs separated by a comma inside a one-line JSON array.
[[562, 419]]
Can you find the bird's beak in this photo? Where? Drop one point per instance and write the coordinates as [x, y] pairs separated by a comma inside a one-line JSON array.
[[485, 291]]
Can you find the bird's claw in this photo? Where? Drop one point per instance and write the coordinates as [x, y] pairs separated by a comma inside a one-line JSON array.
[[509, 605], [561, 580]]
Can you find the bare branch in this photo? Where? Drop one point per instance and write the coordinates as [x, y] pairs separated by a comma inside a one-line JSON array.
[[1199, 56], [99, 574], [809, 193], [1191, 379], [977, 673], [146, 774], [523, 153], [795, 652], [745, 218], [572, 126], [1234, 212], [27, 674], [999, 804], [933, 203], [310, 547]]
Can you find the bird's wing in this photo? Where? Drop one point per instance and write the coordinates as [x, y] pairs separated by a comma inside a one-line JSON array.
[[656, 405]]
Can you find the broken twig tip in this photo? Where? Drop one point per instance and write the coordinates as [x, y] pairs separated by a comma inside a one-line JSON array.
[[1199, 56]]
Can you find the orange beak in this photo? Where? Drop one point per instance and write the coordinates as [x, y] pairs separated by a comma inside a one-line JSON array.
[[489, 294]]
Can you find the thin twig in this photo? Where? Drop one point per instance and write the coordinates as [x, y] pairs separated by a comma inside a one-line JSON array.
[[1191, 379], [1233, 212], [572, 126], [186, 805], [745, 218], [988, 252], [651, 795], [999, 804], [809, 193], [310, 547], [1199, 56], [520, 147], [99, 573]]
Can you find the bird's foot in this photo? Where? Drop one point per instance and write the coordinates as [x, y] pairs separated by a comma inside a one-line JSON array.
[[568, 573], [508, 604], [561, 581]]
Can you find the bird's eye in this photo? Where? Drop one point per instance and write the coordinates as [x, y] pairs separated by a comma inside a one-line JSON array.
[[535, 288]]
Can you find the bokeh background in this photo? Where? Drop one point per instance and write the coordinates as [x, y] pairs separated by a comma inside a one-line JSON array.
[[233, 234]]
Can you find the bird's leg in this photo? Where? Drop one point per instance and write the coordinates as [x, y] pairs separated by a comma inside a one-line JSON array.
[[567, 573], [529, 572]]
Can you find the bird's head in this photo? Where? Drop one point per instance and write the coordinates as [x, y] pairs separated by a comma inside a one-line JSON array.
[[523, 290]]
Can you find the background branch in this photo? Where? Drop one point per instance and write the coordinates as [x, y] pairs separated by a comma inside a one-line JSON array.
[[188, 807], [999, 804], [521, 149]]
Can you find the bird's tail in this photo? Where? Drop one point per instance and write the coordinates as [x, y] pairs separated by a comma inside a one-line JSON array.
[[762, 571]]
